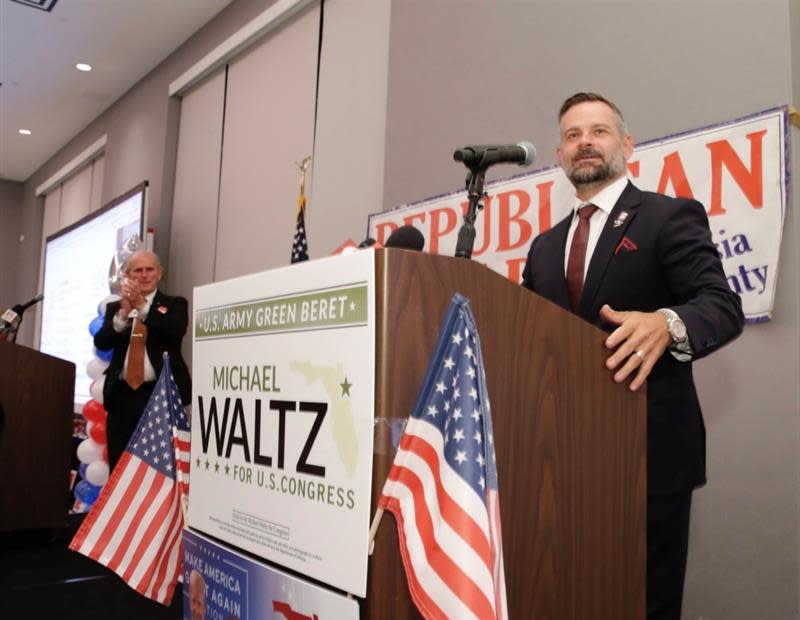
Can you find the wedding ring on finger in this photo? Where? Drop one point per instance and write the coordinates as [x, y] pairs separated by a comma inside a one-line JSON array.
[[640, 355]]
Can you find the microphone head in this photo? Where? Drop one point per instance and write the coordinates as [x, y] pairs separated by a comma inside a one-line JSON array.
[[406, 237], [530, 152]]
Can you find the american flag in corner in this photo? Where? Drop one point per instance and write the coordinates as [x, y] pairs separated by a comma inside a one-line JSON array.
[[300, 242], [135, 527], [442, 487]]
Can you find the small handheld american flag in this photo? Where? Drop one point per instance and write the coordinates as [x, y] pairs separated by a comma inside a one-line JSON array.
[[442, 487], [135, 526]]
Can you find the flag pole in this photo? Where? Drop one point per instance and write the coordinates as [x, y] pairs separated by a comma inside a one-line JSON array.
[[183, 499], [373, 529]]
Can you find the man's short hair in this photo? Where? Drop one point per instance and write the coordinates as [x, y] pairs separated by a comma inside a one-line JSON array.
[[589, 97]]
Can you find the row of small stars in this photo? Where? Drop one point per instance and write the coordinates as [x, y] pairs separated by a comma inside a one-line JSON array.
[[207, 464]]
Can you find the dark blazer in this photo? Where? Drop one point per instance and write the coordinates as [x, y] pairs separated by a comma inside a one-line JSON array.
[[654, 252], [166, 323]]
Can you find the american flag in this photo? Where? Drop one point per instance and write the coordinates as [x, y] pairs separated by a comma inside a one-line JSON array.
[[300, 242], [135, 526], [442, 487]]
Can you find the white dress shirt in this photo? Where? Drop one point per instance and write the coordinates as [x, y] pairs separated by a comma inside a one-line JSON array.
[[604, 200]]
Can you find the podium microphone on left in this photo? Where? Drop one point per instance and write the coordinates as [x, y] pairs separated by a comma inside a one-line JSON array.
[[11, 318]]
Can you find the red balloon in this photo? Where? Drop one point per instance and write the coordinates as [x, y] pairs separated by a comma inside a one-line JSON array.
[[93, 411], [98, 432], [105, 453]]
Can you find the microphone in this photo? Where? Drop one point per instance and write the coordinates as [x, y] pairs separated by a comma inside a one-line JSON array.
[[406, 237], [20, 308], [485, 155], [11, 318]]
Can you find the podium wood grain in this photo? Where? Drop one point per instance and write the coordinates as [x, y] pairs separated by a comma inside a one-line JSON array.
[[36, 396]]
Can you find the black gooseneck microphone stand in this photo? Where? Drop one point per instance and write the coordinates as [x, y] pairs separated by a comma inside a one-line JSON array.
[[474, 185]]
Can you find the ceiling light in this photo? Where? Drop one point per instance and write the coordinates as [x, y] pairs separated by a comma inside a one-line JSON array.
[[82, 66], [25, 132]]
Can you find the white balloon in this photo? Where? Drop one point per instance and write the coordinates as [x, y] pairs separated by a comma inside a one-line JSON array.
[[107, 301], [97, 473], [89, 451], [95, 368], [96, 389]]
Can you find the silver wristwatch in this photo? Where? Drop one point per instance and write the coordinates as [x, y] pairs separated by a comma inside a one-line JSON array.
[[675, 326]]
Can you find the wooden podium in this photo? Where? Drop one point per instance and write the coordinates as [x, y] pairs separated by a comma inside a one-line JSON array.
[[570, 443], [36, 402]]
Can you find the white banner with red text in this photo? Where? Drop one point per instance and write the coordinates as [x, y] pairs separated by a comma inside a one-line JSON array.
[[737, 169]]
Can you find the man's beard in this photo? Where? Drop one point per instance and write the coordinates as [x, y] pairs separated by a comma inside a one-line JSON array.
[[594, 175]]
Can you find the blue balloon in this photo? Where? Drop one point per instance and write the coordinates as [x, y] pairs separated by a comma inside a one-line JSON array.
[[86, 492], [95, 325], [104, 355]]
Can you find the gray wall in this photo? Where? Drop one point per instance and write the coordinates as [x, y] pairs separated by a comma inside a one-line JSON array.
[[11, 197], [142, 128], [404, 82]]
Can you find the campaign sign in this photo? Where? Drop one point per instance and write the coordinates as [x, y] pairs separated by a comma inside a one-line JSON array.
[[738, 170], [220, 584], [282, 416]]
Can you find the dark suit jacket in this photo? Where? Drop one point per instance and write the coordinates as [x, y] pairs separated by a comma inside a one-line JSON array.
[[166, 324], [666, 261]]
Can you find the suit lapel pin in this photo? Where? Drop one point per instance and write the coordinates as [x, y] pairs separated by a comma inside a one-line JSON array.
[[620, 219]]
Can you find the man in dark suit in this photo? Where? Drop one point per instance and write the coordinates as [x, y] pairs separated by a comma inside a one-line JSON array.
[[131, 376], [642, 266]]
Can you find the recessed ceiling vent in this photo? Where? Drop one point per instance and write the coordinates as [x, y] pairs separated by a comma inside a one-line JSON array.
[[44, 5]]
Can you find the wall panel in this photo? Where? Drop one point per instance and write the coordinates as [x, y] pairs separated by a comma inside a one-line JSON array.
[[194, 210], [76, 197], [269, 125]]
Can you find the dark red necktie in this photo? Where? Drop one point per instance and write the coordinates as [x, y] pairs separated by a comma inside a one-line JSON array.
[[577, 255]]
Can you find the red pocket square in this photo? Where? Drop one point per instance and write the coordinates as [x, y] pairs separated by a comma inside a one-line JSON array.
[[626, 245], [162, 309]]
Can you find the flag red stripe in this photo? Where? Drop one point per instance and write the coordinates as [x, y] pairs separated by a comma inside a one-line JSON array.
[[88, 522], [452, 512], [145, 504], [498, 571], [150, 540], [450, 572], [176, 528], [165, 547], [122, 505], [430, 610]]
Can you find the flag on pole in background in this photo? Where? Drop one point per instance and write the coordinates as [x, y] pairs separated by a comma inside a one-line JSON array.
[[442, 487], [135, 526], [300, 241]]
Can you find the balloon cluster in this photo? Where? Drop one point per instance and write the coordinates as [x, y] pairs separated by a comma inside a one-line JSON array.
[[93, 451], [93, 454]]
